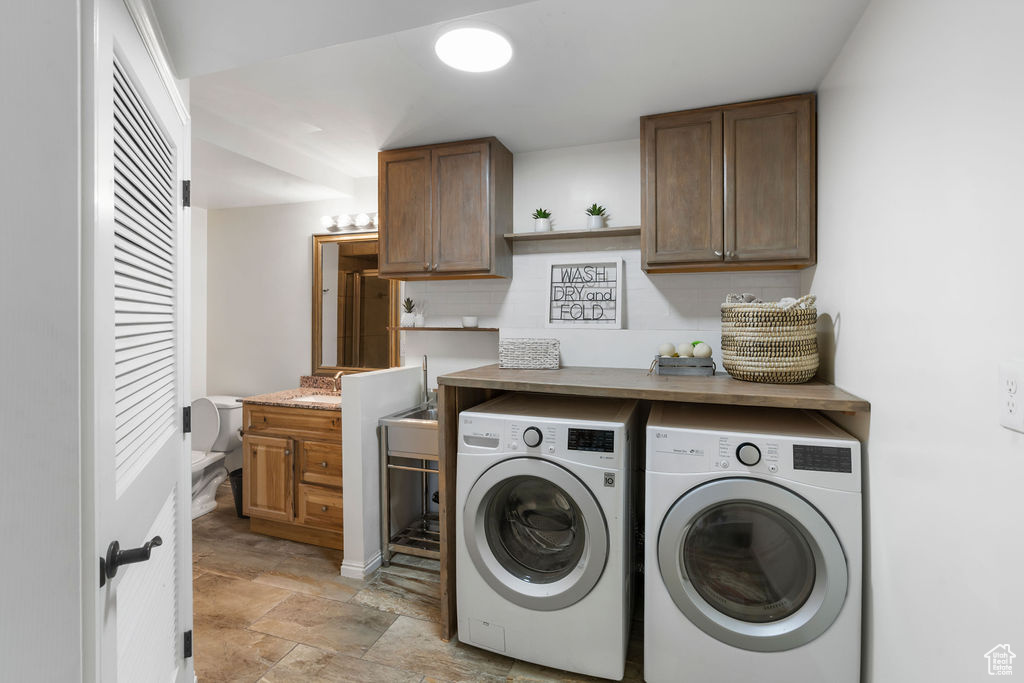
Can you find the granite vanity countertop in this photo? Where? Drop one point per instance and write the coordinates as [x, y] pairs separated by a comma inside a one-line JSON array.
[[287, 398]]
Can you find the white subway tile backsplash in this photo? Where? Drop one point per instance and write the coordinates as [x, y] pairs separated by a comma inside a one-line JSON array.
[[676, 307]]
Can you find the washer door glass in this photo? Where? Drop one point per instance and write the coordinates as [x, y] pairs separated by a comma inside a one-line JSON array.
[[535, 533], [752, 564], [535, 529], [749, 561]]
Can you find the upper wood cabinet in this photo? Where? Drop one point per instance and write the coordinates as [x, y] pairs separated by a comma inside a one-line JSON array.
[[730, 187], [443, 210]]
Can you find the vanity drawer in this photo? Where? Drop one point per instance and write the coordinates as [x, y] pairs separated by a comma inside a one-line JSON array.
[[319, 507], [320, 463], [260, 418]]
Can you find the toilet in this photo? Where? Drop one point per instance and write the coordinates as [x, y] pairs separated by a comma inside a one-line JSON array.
[[216, 433]]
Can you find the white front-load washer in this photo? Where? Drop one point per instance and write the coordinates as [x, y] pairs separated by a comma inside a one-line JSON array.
[[543, 530], [753, 546]]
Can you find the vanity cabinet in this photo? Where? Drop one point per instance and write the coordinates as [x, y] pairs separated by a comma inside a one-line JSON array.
[[730, 187], [268, 474], [443, 211], [292, 473]]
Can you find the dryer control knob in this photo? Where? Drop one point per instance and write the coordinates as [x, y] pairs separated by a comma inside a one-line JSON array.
[[532, 437], [748, 454]]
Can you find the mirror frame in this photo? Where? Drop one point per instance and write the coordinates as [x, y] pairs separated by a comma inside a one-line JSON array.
[[318, 278]]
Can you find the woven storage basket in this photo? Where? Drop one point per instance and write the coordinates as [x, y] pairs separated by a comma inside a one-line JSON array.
[[770, 343], [528, 354]]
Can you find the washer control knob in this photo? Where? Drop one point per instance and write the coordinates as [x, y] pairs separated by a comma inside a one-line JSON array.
[[532, 437], [748, 454]]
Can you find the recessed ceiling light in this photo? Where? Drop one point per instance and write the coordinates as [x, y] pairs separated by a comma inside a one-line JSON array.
[[473, 49]]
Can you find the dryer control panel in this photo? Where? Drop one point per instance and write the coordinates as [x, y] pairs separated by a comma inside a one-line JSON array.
[[831, 463]]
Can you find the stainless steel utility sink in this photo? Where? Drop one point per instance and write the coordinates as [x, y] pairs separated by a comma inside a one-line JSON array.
[[420, 413], [409, 445]]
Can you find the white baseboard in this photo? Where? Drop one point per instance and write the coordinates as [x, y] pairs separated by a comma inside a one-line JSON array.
[[358, 570]]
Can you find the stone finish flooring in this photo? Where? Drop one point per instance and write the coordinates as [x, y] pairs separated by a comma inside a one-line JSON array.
[[274, 611]]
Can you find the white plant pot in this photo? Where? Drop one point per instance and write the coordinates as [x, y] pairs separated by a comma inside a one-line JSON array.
[[542, 225], [407, 320], [419, 319], [594, 222]]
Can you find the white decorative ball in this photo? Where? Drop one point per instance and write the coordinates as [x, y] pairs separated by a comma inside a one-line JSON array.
[[702, 350]]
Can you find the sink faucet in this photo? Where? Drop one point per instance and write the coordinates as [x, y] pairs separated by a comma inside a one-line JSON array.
[[426, 391]]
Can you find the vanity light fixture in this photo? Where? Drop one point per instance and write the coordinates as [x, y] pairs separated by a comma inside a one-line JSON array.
[[362, 222], [473, 49]]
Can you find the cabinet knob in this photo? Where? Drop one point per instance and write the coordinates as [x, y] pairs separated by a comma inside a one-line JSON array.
[[717, 253], [426, 266], [323, 464], [435, 266], [730, 254], [323, 508], [287, 452]]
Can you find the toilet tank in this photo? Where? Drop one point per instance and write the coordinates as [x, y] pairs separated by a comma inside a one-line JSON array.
[[216, 421]]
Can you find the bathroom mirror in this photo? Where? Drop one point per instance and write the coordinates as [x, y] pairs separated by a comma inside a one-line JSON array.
[[355, 312]]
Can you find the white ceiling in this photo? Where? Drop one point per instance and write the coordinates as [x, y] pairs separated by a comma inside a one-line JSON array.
[[583, 71], [223, 179], [203, 37]]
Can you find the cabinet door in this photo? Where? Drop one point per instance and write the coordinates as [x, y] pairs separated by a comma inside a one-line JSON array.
[[461, 208], [404, 211], [682, 188], [269, 476], [769, 182]]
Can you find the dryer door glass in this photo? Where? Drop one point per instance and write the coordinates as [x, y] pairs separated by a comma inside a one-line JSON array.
[[749, 561], [535, 530], [752, 564]]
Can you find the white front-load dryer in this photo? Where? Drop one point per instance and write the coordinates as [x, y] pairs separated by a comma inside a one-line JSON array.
[[543, 529], [753, 547]]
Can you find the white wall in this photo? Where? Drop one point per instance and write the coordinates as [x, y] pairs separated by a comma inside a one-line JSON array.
[[365, 398], [662, 308], [198, 302], [260, 273], [921, 161], [40, 503]]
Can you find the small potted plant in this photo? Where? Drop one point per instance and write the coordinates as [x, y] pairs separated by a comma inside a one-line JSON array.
[[408, 318], [595, 216], [541, 220]]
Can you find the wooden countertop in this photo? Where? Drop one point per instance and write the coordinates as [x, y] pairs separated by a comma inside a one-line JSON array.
[[633, 383]]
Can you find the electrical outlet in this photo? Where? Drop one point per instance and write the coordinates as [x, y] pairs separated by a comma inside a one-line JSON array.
[[1011, 395]]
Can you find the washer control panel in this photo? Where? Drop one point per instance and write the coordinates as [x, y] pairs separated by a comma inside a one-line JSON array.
[[594, 445]]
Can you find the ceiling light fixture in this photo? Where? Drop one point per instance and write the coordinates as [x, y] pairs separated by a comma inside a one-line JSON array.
[[473, 49]]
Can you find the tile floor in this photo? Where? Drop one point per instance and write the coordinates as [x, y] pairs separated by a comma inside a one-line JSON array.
[[274, 611]]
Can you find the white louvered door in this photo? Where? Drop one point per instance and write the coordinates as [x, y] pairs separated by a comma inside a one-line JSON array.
[[134, 262]]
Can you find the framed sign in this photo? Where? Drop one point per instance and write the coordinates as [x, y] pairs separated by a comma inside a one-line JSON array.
[[586, 294]]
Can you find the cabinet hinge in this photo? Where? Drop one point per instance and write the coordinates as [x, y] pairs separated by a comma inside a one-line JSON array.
[[186, 193], [188, 644], [186, 420]]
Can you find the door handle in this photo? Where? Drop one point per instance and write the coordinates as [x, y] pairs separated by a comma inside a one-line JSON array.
[[117, 557]]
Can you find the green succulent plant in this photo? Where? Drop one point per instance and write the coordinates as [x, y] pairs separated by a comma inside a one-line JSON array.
[[595, 210], [408, 305], [542, 213]]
